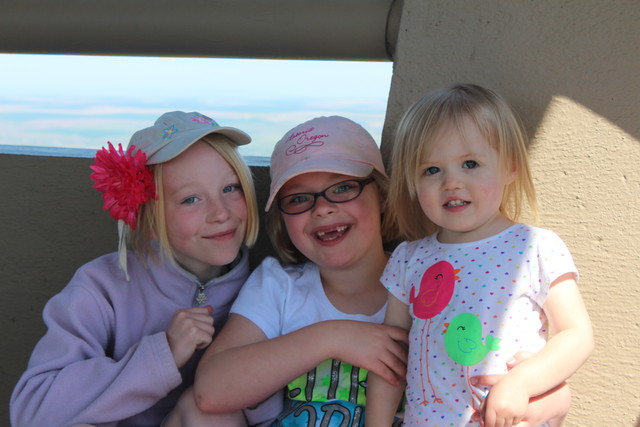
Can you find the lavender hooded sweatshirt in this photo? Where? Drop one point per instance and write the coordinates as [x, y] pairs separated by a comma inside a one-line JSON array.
[[105, 359]]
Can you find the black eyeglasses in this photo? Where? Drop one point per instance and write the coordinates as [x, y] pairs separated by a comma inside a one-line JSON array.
[[344, 191]]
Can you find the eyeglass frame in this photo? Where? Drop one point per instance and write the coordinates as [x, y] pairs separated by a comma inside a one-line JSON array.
[[361, 184]]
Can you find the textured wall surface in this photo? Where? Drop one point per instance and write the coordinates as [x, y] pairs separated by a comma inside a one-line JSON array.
[[571, 70]]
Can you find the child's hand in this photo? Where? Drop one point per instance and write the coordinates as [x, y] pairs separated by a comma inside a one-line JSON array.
[[190, 329], [506, 404], [374, 347], [550, 407]]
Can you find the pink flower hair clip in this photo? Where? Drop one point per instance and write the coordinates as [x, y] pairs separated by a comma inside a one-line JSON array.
[[125, 181]]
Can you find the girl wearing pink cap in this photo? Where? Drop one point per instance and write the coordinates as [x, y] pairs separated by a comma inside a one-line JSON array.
[[311, 323]]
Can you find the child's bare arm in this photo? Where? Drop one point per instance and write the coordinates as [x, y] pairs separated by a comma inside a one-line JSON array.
[[186, 414], [383, 398], [551, 407], [570, 346], [242, 367]]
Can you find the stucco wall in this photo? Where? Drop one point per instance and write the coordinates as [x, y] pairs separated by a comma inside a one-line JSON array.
[[571, 70]]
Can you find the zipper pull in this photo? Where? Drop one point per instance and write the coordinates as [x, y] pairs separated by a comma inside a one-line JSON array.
[[201, 298]]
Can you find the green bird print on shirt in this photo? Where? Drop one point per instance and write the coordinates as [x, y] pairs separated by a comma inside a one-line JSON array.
[[463, 340]]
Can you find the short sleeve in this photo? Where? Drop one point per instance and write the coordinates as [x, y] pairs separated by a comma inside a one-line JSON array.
[[554, 258], [263, 296], [393, 277]]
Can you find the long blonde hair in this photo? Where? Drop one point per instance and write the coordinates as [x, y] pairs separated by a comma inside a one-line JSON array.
[[418, 127], [152, 222]]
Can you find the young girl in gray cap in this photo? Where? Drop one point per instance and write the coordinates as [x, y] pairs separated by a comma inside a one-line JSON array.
[[124, 335]]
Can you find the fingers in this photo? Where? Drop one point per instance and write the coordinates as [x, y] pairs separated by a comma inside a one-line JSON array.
[[505, 406], [396, 370], [393, 373], [393, 367], [518, 358], [381, 349], [197, 323], [486, 380], [398, 334], [397, 353], [492, 419], [478, 416], [190, 329], [399, 350]]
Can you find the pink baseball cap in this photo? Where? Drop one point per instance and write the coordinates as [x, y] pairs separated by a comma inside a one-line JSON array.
[[324, 144], [174, 132]]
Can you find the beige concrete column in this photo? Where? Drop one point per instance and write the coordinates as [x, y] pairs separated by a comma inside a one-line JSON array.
[[571, 70]]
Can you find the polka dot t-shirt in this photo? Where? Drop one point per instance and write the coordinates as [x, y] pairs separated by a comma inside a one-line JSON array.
[[473, 306]]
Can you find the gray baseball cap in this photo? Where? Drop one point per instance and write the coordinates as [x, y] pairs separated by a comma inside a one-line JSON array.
[[176, 131]]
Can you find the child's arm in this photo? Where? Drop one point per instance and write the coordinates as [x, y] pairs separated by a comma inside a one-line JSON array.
[[551, 407], [383, 398], [242, 367], [71, 378], [569, 347]]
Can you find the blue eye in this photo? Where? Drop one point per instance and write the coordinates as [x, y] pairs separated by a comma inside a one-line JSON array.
[[343, 187], [299, 198], [190, 200], [431, 170], [231, 188], [470, 164]]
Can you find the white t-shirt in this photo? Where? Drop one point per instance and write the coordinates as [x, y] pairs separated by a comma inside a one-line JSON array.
[[473, 306], [280, 300]]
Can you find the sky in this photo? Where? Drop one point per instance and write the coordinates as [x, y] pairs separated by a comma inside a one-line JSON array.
[[84, 101]]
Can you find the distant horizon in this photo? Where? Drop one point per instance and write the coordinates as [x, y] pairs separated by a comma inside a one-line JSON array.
[[81, 102]]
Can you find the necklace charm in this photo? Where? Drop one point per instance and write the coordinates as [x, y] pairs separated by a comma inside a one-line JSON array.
[[201, 298]]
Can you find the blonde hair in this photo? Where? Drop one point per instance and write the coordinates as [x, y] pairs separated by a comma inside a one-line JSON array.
[[286, 250], [418, 127], [151, 219]]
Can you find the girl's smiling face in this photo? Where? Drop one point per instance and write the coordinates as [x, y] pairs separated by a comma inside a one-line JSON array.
[[206, 213], [460, 185], [334, 234]]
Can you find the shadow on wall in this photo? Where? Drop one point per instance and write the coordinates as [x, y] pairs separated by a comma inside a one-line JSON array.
[[595, 64]]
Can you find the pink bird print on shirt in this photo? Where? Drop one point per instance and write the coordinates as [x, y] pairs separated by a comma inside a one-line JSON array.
[[436, 290]]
